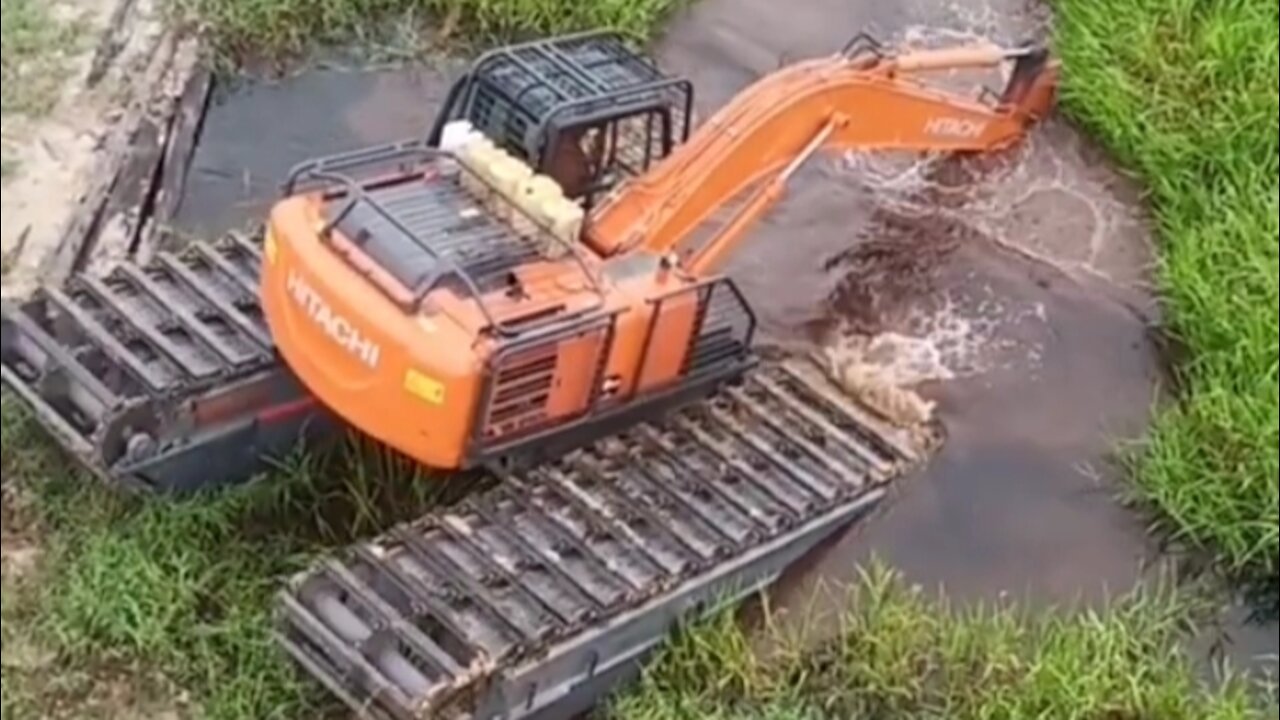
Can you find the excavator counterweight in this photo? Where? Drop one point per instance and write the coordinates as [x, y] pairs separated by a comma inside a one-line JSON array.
[[518, 294]]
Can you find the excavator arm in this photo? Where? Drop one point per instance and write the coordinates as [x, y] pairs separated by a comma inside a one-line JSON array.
[[768, 132]]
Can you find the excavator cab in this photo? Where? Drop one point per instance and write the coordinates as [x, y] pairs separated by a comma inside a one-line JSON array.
[[587, 110]]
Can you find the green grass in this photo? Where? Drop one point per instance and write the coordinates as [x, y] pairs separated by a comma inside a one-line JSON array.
[[175, 598], [12, 703], [32, 47], [186, 588], [901, 654], [276, 29], [1184, 92]]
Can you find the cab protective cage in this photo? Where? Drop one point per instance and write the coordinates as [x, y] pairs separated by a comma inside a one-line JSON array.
[[525, 96]]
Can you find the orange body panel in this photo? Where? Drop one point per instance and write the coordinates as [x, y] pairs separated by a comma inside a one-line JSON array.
[[380, 369], [671, 331], [416, 380]]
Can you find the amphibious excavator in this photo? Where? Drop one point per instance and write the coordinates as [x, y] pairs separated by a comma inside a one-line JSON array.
[[529, 292]]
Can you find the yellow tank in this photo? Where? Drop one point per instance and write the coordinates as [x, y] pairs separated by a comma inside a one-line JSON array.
[[532, 194], [563, 217], [507, 174], [477, 155]]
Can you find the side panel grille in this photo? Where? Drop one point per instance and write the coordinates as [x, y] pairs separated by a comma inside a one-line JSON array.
[[545, 383]]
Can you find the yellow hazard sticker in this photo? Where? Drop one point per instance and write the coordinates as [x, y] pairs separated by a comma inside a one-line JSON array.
[[423, 387]]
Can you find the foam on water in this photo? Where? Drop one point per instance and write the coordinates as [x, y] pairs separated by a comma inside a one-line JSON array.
[[1007, 198], [961, 338]]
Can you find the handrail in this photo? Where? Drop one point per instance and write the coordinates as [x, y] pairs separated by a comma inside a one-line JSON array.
[[712, 283], [356, 158], [709, 285], [330, 170], [864, 43]]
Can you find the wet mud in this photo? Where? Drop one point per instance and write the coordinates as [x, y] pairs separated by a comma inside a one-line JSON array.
[[1009, 291]]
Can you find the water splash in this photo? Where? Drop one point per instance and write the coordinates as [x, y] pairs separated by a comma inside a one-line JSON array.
[[871, 369], [1052, 199], [1049, 200], [960, 337], [1040, 200]]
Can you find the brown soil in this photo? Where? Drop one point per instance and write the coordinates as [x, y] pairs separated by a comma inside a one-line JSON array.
[[118, 67], [19, 536]]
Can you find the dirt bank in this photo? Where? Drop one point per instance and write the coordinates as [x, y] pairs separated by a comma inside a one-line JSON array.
[[124, 67]]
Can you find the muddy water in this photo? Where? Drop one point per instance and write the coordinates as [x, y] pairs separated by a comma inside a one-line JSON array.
[[257, 130], [1034, 363], [1011, 292]]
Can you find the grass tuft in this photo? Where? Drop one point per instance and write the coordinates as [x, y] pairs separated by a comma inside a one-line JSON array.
[[32, 47], [280, 29], [901, 654], [1184, 92]]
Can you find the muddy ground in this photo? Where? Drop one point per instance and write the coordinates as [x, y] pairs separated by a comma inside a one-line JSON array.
[[122, 65], [1013, 293]]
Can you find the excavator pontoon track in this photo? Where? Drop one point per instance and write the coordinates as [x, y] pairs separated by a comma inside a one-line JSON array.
[[536, 597], [146, 372]]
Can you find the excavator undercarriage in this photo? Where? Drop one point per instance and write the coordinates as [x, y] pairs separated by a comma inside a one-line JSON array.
[[531, 599]]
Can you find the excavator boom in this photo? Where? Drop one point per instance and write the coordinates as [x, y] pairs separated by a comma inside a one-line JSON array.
[[862, 102]]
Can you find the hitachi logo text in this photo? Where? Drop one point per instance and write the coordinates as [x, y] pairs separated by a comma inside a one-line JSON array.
[[337, 327], [953, 127]]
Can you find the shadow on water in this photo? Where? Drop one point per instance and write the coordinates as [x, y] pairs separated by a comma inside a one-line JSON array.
[[1265, 597], [1012, 291]]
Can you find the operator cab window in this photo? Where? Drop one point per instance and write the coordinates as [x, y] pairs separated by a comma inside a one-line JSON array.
[[590, 159]]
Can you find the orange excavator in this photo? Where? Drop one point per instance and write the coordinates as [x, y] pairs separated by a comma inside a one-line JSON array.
[[450, 337], [530, 292]]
